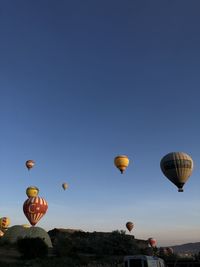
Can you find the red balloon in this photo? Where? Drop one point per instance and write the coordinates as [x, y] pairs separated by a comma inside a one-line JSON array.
[[34, 209], [152, 242]]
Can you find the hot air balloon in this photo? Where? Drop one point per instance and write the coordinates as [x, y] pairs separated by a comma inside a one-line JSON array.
[[26, 225], [1, 233], [129, 226], [121, 162], [177, 167], [170, 251], [30, 163], [4, 223], [65, 186], [152, 242], [34, 208], [32, 191]]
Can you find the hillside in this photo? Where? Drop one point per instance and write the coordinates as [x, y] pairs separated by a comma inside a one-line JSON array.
[[190, 248]]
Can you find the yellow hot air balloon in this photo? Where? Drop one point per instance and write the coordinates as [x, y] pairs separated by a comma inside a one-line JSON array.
[[65, 186], [26, 225], [4, 223], [121, 162], [177, 167], [32, 191]]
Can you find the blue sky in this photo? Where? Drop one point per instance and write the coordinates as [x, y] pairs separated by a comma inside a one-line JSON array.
[[84, 81]]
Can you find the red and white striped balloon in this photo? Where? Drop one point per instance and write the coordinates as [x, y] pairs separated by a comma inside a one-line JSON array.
[[34, 209]]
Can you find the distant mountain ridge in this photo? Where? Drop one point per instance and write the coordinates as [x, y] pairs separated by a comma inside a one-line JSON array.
[[193, 248]]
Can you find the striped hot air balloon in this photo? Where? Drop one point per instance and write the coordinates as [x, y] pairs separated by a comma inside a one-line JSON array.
[[121, 162], [177, 167], [34, 209]]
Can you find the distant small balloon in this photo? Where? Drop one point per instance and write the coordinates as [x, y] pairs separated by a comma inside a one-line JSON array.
[[30, 163], [152, 242], [32, 191], [65, 186], [121, 162], [129, 226]]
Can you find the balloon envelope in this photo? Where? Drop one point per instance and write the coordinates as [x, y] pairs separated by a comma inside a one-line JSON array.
[[64, 186], [129, 226], [32, 191], [121, 162], [177, 167], [30, 163], [4, 223], [34, 209], [152, 242], [1, 233]]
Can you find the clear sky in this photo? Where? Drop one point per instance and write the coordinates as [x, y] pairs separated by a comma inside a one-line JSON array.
[[84, 81]]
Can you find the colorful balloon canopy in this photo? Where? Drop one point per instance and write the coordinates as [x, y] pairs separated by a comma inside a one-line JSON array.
[[34, 209], [65, 186], [177, 167], [121, 162], [4, 223], [30, 163], [32, 191], [129, 226], [152, 242]]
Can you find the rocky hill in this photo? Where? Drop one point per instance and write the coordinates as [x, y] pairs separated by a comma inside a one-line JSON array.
[[190, 248]]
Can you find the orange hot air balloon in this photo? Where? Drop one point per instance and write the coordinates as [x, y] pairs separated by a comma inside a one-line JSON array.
[[152, 242], [34, 208], [121, 162], [129, 226], [30, 163]]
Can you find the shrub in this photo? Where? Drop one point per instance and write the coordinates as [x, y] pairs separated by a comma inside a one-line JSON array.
[[31, 248]]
